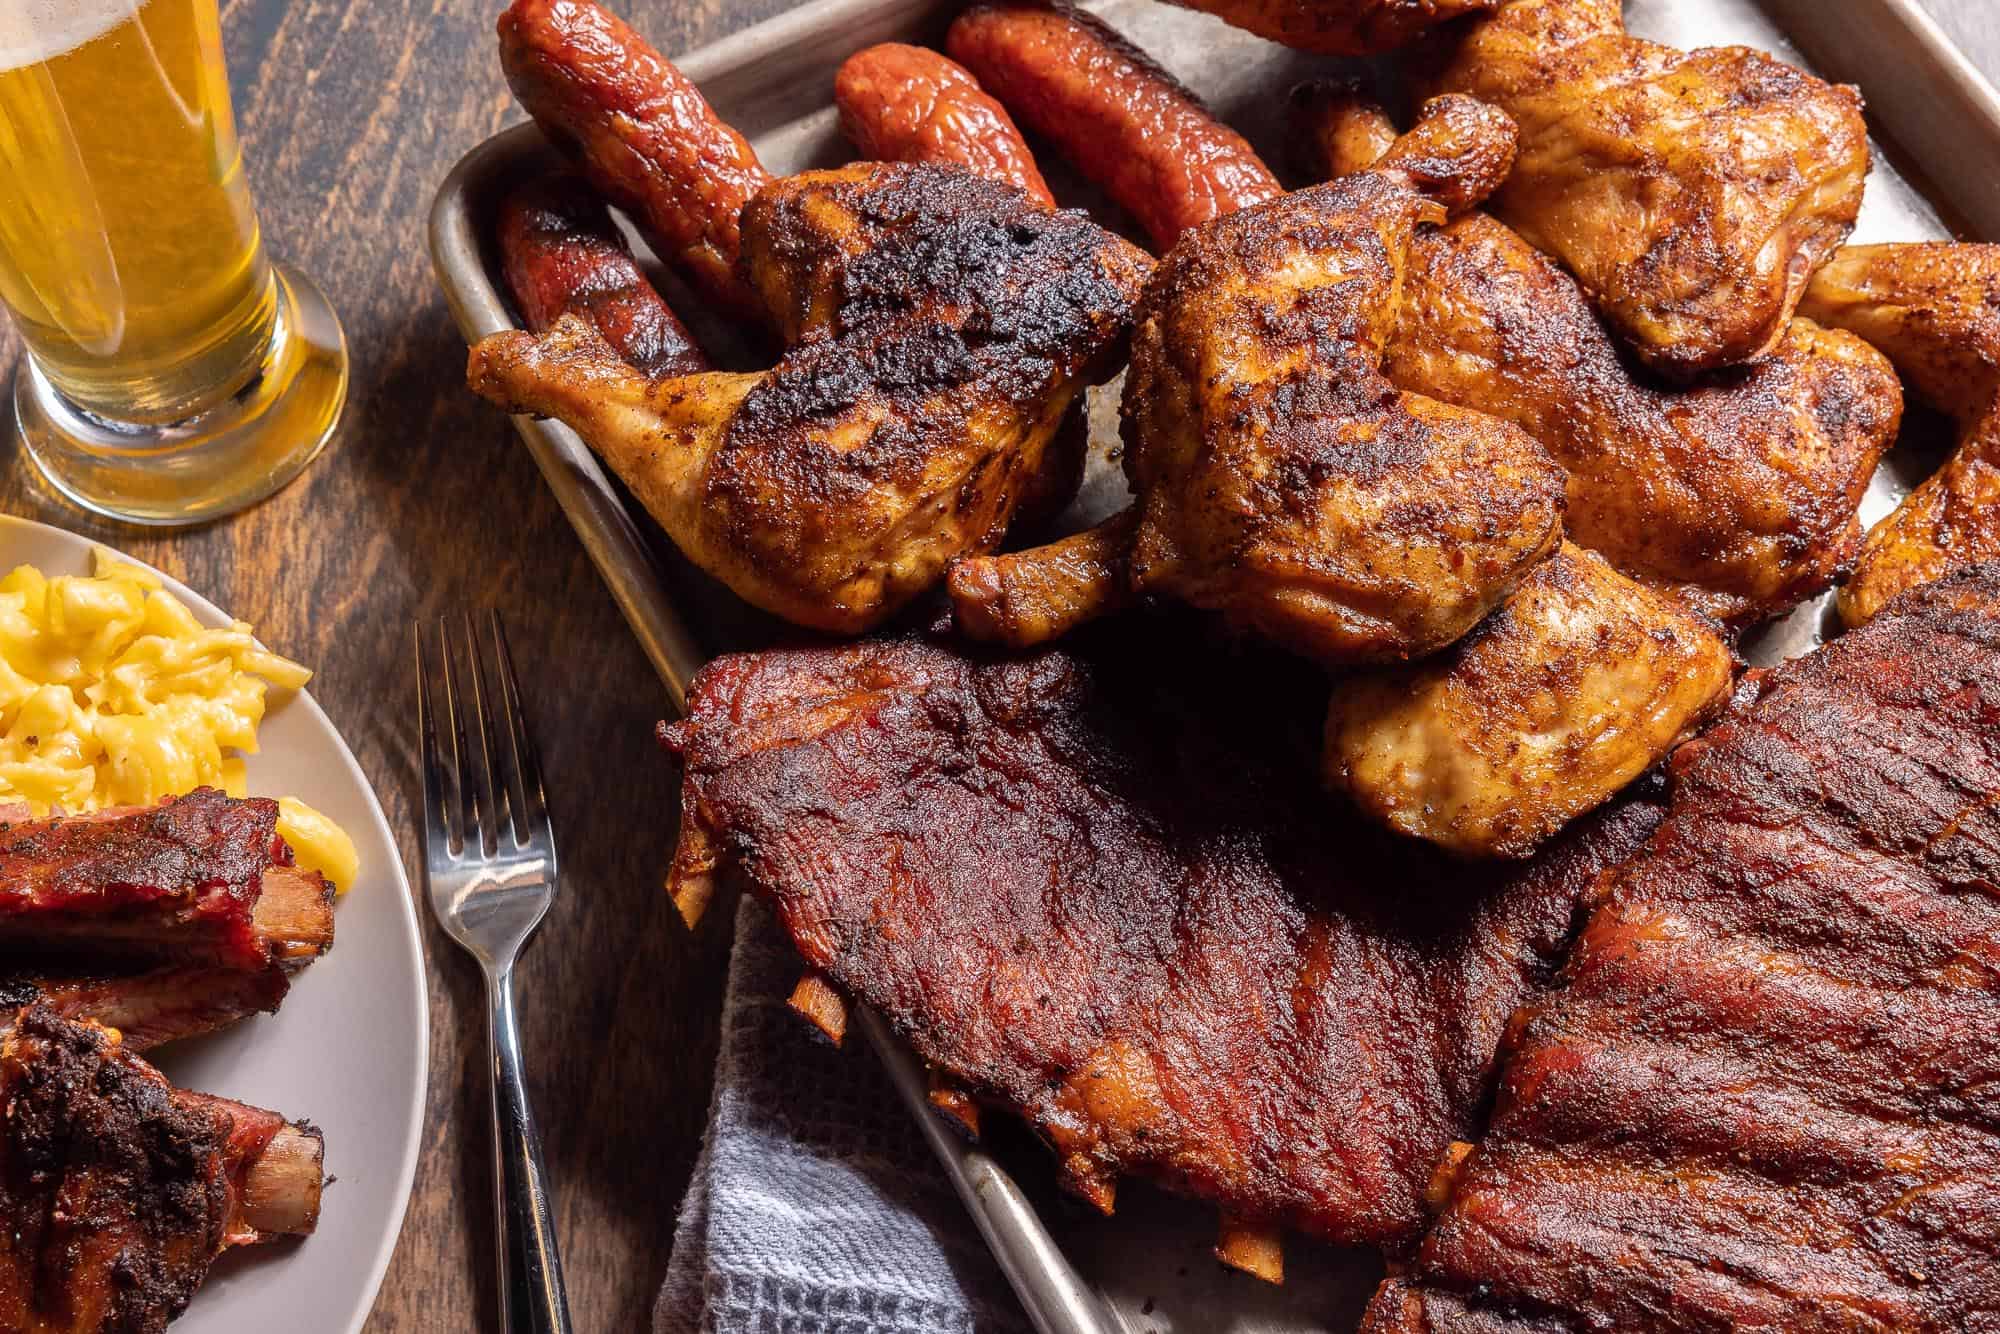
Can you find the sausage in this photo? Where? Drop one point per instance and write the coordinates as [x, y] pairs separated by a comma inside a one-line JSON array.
[[906, 104], [1125, 122], [643, 135], [563, 254]]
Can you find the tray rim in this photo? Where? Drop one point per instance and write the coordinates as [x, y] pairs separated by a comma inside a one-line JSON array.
[[1925, 118]]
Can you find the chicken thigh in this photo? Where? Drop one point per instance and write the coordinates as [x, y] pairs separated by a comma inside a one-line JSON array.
[[1282, 480]]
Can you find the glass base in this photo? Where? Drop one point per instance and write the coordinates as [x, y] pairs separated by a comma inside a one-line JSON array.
[[212, 464]]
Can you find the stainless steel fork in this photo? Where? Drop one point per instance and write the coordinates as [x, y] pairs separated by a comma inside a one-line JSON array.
[[490, 869]]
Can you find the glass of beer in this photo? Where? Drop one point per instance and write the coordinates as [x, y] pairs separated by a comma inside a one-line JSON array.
[[173, 372]]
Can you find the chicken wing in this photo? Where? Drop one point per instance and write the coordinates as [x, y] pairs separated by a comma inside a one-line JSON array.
[[1692, 193], [1340, 27], [1282, 480], [940, 326], [1556, 702], [1741, 492], [1935, 310]]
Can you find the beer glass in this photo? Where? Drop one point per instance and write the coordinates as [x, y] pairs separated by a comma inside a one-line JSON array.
[[173, 372]]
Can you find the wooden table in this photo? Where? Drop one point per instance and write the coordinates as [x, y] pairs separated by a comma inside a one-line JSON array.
[[351, 114]]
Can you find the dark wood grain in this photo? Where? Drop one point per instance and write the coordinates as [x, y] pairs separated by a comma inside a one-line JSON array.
[[351, 114]]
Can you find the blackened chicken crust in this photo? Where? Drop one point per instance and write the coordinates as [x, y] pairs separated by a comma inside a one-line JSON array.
[[1766, 1094], [1079, 890]]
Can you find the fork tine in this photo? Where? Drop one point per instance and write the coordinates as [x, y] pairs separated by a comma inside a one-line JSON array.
[[493, 810], [437, 826], [532, 808], [465, 793]]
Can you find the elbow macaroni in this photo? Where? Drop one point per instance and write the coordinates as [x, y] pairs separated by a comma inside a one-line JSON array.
[[113, 694]]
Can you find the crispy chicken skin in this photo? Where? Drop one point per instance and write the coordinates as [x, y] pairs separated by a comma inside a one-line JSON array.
[[1282, 480], [1031, 597], [1340, 27], [940, 327], [1096, 901], [1741, 492], [1935, 310], [1763, 1095], [1555, 703], [1692, 193]]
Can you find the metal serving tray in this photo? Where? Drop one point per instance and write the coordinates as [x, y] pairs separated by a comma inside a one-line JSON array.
[[1149, 1270]]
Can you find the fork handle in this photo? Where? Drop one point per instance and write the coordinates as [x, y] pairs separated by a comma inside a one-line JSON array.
[[532, 1300]]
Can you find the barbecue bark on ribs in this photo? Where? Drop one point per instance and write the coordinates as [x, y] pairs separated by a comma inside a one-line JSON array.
[[119, 1190], [1085, 897], [199, 879], [1766, 1094]]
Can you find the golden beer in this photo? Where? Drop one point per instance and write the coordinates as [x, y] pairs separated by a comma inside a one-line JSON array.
[[131, 260]]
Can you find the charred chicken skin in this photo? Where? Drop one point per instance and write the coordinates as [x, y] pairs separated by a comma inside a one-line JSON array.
[[1741, 493], [1763, 1094], [1340, 27], [1935, 310], [940, 326], [119, 1190], [1090, 899], [1282, 480], [1692, 193]]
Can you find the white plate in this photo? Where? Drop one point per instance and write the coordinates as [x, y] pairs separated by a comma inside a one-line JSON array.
[[349, 1050]]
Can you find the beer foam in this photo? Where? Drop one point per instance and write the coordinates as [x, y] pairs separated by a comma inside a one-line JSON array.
[[32, 31]]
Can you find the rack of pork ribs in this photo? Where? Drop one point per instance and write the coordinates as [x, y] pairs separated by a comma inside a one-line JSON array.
[[121, 931]]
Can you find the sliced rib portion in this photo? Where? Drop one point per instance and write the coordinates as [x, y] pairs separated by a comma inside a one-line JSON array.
[[153, 1007], [1095, 900], [1767, 1093], [197, 879], [119, 1191]]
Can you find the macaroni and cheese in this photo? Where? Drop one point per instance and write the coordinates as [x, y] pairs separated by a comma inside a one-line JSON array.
[[113, 694]]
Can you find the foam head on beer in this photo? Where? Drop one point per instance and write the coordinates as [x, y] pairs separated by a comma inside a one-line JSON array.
[[37, 30]]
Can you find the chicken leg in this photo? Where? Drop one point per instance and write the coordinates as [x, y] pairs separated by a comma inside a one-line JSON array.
[[939, 328]]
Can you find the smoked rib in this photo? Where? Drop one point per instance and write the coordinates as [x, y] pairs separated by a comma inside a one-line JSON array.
[[1091, 897]]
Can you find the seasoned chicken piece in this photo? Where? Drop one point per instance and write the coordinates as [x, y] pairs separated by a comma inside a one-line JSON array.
[[1742, 492], [1340, 27], [1556, 702], [1031, 597], [1692, 192], [1935, 310], [940, 327], [1282, 480]]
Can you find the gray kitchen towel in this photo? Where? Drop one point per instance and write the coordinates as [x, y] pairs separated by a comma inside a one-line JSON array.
[[816, 1207]]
